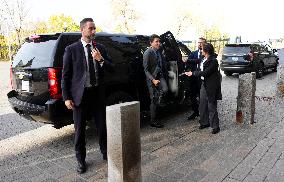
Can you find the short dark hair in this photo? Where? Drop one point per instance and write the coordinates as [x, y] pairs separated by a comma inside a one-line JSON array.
[[208, 48], [153, 37], [84, 21], [202, 38]]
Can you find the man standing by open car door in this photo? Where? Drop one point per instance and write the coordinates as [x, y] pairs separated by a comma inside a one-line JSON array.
[[155, 71]]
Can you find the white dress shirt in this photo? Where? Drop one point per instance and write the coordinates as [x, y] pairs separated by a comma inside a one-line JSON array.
[[88, 83], [199, 53], [201, 66]]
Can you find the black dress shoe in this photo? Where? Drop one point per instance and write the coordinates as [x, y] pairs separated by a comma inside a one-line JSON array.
[[105, 157], [156, 124], [216, 130], [201, 127], [193, 116], [81, 167]]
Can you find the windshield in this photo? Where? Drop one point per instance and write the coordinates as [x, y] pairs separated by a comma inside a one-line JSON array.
[[35, 55], [236, 50]]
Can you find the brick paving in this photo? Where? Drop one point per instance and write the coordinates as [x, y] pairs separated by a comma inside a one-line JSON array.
[[32, 151]]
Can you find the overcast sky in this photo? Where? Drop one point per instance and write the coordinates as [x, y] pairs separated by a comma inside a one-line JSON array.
[[253, 20]]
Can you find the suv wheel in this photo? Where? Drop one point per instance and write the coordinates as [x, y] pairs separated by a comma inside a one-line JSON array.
[[274, 69], [227, 73], [260, 70], [118, 97]]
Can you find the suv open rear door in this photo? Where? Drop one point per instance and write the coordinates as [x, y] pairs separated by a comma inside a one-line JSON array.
[[173, 56]]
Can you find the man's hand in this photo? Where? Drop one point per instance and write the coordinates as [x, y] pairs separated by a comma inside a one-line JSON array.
[[155, 82], [69, 104], [96, 54], [189, 73]]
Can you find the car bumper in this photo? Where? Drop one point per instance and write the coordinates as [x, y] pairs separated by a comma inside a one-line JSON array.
[[236, 68], [53, 112]]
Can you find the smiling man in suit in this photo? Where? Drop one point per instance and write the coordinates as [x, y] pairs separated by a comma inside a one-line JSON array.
[[156, 72], [83, 88]]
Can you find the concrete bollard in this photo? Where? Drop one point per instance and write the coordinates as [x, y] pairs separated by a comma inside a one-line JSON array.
[[280, 81], [123, 142], [246, 98]]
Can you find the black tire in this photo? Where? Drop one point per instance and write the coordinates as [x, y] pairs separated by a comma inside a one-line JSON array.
[[228, 73], [260, 70], [118, 97], [274, 69]]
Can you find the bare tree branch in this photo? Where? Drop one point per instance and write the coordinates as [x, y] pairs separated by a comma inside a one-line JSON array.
[[15, 15], [125, 15]]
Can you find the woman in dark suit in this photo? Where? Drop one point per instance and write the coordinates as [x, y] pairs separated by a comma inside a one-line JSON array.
[[210, 90]]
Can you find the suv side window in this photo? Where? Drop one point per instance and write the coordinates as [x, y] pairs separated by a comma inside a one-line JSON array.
[[262, 49], [268, 48], [64, 41], [258, 48], [253, 48], [184, 51], [120, 49]]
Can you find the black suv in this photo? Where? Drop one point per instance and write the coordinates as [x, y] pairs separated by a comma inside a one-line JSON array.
[[245, 58], [36, 73]]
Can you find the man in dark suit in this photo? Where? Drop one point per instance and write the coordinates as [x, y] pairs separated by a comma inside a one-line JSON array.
[[193, 83], [156, 72], [83, 90]]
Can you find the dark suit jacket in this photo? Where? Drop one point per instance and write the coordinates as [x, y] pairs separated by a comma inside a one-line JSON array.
[[193, 61], [212, 78], [74, 71], [150, 62], [192, 64]]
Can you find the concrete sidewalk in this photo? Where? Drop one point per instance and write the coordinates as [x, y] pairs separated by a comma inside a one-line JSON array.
[[265, 162], [235, 154]]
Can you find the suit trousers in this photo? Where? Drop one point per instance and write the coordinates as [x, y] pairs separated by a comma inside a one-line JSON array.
[[92, 107], [208, 110], [193, 90], [162, 88]]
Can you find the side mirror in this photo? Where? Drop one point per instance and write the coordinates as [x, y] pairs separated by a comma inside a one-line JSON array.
[[274, 50], [13, 56]]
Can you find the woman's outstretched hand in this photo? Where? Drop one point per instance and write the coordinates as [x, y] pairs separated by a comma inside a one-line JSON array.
[[189, 73]]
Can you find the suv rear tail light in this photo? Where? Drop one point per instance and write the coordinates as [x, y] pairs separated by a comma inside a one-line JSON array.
[[11, 77], [54, 81]]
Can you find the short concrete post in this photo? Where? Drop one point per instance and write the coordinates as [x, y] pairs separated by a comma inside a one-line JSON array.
[[280, 81], [246, 98], [280, 74], [124, 144]]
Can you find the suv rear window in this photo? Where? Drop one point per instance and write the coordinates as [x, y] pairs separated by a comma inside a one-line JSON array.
[[36, 53], [236, 49]]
